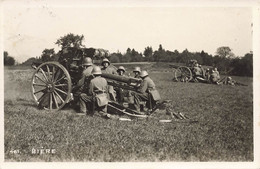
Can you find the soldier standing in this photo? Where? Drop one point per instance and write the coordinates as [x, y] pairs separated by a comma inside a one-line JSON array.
[[97, 88], [107, 68], [147, 87]]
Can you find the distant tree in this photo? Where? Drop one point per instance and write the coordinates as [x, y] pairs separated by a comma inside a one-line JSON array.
[[225, 52], [184, 57], [47, 54], [135, 56], [114, 58], [160, 47], [127, 56], [206, 58], [70, 40], [8, 60], [31, 60], [242, 66], [148, 53], [160, 55], [225, 55]]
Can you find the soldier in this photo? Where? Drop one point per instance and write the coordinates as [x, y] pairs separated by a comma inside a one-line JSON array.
[[107, 68], [198, 73], [147, 87], [95, 95], [207, 74], [87, 69], [214, 77], [121, 93], [121, 70], [137, 71]]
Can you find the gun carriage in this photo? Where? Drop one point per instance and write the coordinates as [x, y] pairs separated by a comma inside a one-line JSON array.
[[185, 73], [53, 82]]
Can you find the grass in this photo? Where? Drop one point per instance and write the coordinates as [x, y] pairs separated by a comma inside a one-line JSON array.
[[224, 131]]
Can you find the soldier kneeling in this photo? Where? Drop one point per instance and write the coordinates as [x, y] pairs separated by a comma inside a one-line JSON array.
[[147, 92], [95, 97]]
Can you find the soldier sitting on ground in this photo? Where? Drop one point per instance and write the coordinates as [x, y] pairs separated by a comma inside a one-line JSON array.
[[94, 99], [207, 75], [198, 73], [230, 81], [215, 77], [147, 92]]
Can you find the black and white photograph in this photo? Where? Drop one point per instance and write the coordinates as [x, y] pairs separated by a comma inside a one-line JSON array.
[[108, 81]]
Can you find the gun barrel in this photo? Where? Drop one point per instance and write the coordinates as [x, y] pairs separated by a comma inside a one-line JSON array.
[[129, 80]]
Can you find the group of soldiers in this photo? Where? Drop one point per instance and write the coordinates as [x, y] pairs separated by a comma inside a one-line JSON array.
[[200, 75], [211, 76], [94, 92]]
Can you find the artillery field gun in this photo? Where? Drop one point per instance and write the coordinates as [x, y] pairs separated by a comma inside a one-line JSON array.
[[52, 82]]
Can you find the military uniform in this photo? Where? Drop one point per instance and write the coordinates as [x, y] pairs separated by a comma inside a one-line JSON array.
[[143, 93], [97, 85], [85, 75], [137, 76], [214, 77], [111, 70]]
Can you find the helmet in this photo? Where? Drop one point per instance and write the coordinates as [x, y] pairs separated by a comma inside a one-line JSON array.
[[105, 60], [121, 68], [96, 70], [143, 73], [229, 78], [87, 61], [137, 69]]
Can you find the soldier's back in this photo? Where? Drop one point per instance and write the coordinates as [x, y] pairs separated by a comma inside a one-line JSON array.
[[99, 83]]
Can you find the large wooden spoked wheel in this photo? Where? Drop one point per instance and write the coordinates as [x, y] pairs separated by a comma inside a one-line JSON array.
[[51, 86], [183, 74]]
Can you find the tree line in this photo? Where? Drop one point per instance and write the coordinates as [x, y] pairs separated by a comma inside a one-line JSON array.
[[224, 60]]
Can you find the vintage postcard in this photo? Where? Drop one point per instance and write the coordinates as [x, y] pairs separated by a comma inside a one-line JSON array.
[[112, 84]]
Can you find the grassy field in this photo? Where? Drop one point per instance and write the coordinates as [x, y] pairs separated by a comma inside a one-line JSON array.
[[224, 131]]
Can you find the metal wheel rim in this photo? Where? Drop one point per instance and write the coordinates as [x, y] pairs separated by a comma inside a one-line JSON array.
[[183, 73], [51, 82]]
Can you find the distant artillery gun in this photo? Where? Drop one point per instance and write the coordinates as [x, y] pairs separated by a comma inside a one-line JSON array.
[[185, 73]]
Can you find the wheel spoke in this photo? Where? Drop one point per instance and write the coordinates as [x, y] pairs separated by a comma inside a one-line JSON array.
[[39, 91], [60, 85], [53, 72], [55, 101], [61, 91], [63, 76], [41, 97], [57, 75], [48, 70], [36, 84], [40, 78], [59, 96], [50, 100], [44, 74]]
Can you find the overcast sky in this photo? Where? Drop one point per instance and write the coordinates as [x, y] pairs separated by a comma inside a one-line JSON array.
[[29, 30]]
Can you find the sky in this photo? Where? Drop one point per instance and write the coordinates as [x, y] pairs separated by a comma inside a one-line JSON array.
[[28, 30]]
